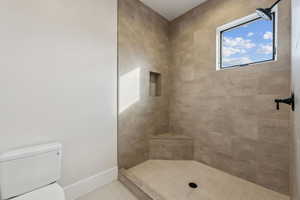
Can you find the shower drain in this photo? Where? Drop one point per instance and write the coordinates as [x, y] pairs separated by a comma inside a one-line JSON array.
[[193, 185]]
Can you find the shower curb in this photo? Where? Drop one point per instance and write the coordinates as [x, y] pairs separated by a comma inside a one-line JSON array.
[[137, 187]]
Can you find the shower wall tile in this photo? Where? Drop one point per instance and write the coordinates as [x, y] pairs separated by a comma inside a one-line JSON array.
[[217, 142], [272, 156], [273, 179], [243, 149], [274, 131], [246, 169], [143, 47], [267, 110], [203, 154], [170, 148], [274, 83], [231, 113]]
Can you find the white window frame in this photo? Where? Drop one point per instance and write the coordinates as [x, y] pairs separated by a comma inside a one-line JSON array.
[[240, 22]]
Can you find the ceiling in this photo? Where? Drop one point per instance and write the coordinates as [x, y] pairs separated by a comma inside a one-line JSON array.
[[171, 9]]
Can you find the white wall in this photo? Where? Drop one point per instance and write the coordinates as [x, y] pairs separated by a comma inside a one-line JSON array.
[[58, 80]]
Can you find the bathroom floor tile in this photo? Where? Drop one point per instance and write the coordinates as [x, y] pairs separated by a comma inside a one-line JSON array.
[[113, 191], [170, 179]]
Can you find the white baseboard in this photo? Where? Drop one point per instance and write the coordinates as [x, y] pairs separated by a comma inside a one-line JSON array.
[[89, 184]]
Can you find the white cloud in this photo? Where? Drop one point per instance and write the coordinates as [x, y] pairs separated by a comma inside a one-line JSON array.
[[229, 51], [265, 49], [238, 45], [268, 35], [236, 61], [238, 42], [250, 34]]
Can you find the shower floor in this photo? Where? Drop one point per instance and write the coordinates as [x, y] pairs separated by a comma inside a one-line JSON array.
[[169, 180]]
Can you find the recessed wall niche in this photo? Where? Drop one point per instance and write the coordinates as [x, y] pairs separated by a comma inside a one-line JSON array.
[[155, 84]]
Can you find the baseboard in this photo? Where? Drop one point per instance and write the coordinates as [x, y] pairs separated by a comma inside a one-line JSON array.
[[89, 184]]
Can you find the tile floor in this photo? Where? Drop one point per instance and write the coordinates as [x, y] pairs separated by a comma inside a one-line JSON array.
[[113, 191], [169, 180]]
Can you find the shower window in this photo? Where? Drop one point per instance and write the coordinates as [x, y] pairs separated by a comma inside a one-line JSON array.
[[247, 41]]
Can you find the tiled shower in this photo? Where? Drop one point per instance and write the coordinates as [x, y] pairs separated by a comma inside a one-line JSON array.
[[175, 106]]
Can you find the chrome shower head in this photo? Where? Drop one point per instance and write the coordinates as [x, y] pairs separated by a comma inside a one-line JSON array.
[[266, 13]]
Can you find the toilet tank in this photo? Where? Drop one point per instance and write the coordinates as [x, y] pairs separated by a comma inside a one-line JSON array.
[[24, 170]]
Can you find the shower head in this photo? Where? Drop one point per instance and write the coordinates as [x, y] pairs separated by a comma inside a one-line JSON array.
[[266, 13]]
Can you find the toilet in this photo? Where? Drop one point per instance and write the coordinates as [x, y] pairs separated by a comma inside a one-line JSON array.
[[31, 173]]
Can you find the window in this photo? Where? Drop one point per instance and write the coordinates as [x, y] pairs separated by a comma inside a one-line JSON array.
[[246, 41]]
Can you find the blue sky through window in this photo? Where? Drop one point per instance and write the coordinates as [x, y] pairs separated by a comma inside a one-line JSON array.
[[248, 43]]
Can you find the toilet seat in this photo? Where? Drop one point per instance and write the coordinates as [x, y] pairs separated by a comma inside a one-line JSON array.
[[50, 192]]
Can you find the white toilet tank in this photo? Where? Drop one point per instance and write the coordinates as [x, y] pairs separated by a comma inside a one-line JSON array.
[[29, 172]]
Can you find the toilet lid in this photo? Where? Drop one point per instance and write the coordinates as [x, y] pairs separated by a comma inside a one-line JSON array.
[[50, 192]]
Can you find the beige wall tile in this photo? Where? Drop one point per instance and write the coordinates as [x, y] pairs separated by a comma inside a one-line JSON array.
[[143, 44], [171, 149], [231, 113]]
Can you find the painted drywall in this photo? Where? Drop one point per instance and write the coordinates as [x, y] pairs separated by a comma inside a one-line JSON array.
[[295, 138], [171, 9], [58, 80]]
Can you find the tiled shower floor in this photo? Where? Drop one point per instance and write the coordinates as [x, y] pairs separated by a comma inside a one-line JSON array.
[[168, 180]]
